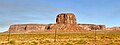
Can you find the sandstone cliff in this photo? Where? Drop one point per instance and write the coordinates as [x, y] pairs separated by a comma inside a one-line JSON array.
[[92, 27], [113, 28], [66, 18], [65, 22], [28, 27]]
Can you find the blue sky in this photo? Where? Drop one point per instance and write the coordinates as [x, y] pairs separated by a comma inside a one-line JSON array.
[[44, 11]]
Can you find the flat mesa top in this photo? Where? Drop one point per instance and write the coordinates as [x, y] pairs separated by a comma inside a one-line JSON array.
[[67, 13]]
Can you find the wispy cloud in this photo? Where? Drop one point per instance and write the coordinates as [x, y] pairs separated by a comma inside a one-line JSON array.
[[45, 11], [24, 11]]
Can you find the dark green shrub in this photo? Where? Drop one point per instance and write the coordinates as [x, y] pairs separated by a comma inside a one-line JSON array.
[[11, 42], [69, 44], [47, 41], [34, 43]]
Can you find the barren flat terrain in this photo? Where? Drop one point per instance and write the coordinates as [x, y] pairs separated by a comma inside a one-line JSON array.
[[62, 38]]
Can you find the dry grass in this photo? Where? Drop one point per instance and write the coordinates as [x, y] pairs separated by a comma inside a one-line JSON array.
[[72, 38]]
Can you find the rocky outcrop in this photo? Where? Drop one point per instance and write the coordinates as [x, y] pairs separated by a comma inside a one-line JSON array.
[[65, 28], [75, 28], [91, 27], [66, 18], [65, 22], [113, 28], [28, 27]]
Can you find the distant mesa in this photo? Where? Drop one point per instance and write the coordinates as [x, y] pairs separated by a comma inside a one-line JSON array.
[[65, 22], [113, 28]]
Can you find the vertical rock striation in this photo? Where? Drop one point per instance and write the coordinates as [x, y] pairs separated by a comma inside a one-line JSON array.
[[21, 28], [66, 18], [65, 22]]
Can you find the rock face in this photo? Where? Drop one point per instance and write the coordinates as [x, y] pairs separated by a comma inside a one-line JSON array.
[[91, 27], [28, 27], [65, 22], [66, 18], [113, 28], [65, 28]]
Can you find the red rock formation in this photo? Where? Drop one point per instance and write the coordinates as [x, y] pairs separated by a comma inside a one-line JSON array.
[[27, 27], [66, 18], [65, 28], [113, 28], [102, 27], [91, 27], [65, 22]]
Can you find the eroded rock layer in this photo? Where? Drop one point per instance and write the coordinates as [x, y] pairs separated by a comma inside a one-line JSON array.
[[113, 28], [27, 27], [65, 22], [66, 18], [91, 27]]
